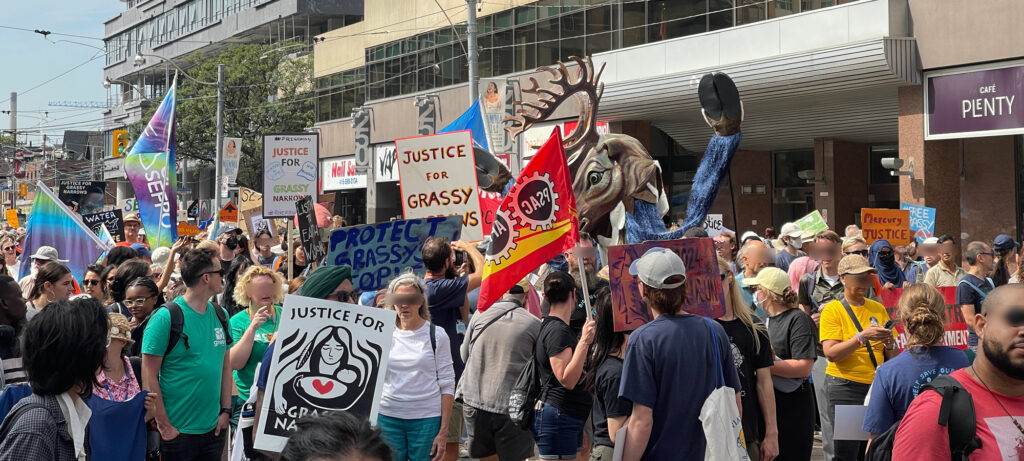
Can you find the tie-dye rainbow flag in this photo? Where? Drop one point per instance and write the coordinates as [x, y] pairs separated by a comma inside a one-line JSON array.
[[151, 168], [52, 223]]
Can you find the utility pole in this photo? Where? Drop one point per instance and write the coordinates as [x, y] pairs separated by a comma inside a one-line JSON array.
[[474, 54], [10, 161], [220, 140]]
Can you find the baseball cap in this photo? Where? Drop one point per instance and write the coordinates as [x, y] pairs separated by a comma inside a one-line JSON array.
[[656, 266], [930, 241], [791, 230], [141, 250], [773, 279], [854, 264], [749, 235], [1003, 243], [133, 217], [47, 253]]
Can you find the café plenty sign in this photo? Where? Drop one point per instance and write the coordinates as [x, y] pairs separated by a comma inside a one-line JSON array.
[[968, 102]]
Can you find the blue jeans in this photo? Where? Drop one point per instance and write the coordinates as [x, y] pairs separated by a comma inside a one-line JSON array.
[[558, 435], [409, 439]]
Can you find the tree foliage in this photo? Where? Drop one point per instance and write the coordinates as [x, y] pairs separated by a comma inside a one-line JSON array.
[[265, 91]]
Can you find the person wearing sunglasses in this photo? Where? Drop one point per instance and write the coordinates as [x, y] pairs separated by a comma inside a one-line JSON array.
[[93, 283], [192, 377], [975, 285], [946, 273], [995, 382], [10, 254]]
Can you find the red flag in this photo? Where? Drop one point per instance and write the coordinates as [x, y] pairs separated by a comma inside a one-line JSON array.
[[535, 222]]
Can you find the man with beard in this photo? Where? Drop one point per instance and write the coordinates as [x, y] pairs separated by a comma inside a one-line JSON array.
[[995, 382], [588, 252]]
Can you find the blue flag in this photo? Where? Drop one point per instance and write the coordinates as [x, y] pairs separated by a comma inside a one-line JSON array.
[[472, 120]]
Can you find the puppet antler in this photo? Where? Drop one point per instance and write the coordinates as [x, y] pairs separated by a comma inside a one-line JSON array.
[[564, 86]]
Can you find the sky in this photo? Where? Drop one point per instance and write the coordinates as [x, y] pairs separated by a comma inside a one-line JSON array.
[[29, 60]]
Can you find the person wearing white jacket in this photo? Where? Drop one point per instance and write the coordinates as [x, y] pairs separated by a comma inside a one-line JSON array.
[[419, 387]]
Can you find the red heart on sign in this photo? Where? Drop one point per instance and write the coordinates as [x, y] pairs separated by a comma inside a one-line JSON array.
[[323, 387]]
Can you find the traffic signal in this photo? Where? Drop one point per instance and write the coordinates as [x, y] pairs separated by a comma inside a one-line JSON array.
[[120, 143]]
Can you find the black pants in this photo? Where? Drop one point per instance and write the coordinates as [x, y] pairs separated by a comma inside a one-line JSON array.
[[795, 418], [194, 447], [845, 392]]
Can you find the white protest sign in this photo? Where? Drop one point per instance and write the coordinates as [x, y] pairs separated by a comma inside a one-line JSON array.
[[713, 225], [329, 356], [289, 171], [437, 175]]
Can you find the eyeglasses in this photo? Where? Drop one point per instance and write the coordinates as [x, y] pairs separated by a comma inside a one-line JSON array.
[[90, 282], [407, 300], [219, 272], [987, 254], [343, 296], [858, 252], [136, 301], [725, 276], [10, 248]]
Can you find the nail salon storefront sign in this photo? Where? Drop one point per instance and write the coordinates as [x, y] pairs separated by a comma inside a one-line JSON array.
[[976, 101], [340, 174]]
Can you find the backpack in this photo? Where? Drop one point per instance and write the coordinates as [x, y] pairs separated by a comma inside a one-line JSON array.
[[14, 415], [956, 413], [522, 399], [177, 331]]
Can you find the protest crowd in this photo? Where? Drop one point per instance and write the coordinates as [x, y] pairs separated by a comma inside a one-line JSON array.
[[429, 339]]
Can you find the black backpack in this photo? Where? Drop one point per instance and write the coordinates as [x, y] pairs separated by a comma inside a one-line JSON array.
[[522, 399], [956, 413], [177, 333]]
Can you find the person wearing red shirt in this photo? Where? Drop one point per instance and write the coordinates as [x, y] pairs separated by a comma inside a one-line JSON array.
[[995, 382]]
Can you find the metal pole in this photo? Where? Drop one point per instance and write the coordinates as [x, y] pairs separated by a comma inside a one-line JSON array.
[[474, 54], [220, 137]]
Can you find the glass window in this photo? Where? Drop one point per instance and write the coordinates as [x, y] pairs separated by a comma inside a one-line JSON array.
[[444, 36], [503, 53], [750, 13], [599, 26], [807, 5], [780, 8], [444, 61], [323, 108], [337, 104], [408, 71], [485, 24], [426, 40], [634, 20], [392, 82], [792, 197], [484, 66], [503, 20], [675, 18], [548, 8], [427, 70], [359, 98], [348, 98], [525, 14], [460, 69], [573, 35], [572, 5], [394, 49], [525, 49], [547, 42]]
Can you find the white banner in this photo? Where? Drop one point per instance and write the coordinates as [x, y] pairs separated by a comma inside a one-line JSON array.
[[330, 356], [289, 171], [387, 163], [230, 157], [340, 174], [438, 178]]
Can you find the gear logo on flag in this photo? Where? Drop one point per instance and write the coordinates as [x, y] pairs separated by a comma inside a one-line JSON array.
[[534, 202], [503, 238]]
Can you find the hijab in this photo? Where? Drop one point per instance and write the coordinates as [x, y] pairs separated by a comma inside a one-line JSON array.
[[888, 271]]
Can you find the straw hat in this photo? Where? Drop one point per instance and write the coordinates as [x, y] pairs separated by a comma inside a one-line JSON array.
[[119, 328]]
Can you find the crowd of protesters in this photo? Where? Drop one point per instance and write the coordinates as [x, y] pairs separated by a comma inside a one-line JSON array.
[[182, 339]]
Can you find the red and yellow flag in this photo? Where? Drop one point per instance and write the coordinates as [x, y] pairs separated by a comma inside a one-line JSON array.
[[535, 222]]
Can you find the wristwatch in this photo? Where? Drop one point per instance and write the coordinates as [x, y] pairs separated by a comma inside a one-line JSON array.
[[226, 411]]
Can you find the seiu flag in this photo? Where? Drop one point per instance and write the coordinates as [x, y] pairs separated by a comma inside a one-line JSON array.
[[472, 120], [150, 167], [52, 223], [535, 222]]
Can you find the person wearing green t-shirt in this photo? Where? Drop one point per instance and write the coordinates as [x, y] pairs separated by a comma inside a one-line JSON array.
[[193, 379], [260, 291]]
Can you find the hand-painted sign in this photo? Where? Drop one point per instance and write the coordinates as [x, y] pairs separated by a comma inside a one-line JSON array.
[[85, 197], [956, 325], [813, 222], [330, 356], [187, 229], [289, 171], [922, 221], [113, 220], [713, 225], [703, 282], [379, 252], [437, 179], [308, 233], [885, 224], [387, 163]]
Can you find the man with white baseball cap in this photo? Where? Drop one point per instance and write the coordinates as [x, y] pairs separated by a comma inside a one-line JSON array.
[[43, 255], [665, 420], [792, 240]]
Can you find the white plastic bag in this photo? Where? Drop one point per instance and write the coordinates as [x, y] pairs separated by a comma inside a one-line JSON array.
[[723, 428]]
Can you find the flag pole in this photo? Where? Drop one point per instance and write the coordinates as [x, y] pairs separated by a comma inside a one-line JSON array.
[[583, 281]]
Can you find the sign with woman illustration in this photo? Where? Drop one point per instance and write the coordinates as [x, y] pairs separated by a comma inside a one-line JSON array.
[[332, 356]]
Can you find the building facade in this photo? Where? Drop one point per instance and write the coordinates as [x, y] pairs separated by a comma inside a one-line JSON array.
[[829, 89]]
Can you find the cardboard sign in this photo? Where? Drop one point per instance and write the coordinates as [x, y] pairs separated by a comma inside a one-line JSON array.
[[713, 225], [229, 213], [922, 221], [387, 163], [813, 222], [250, 203], [187, 229], [956, 325], [379, 252], [113, 220], [703, 282], [85, 197], [258, 224], [437, 178], [129, 205], [289, 171], [330, 356], [884, 224], [308, 232], [12, 218]]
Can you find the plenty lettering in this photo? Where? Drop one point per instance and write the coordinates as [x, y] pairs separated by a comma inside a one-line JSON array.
[[987, 107]]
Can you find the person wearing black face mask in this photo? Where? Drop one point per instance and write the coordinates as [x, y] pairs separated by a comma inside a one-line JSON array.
[[883, 258], [228, 244]]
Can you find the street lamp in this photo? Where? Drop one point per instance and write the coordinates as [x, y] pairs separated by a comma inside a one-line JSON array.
[[140, 59], [107, 82]]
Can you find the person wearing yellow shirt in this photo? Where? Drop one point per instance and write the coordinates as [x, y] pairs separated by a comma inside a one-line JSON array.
[[855, 342]]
